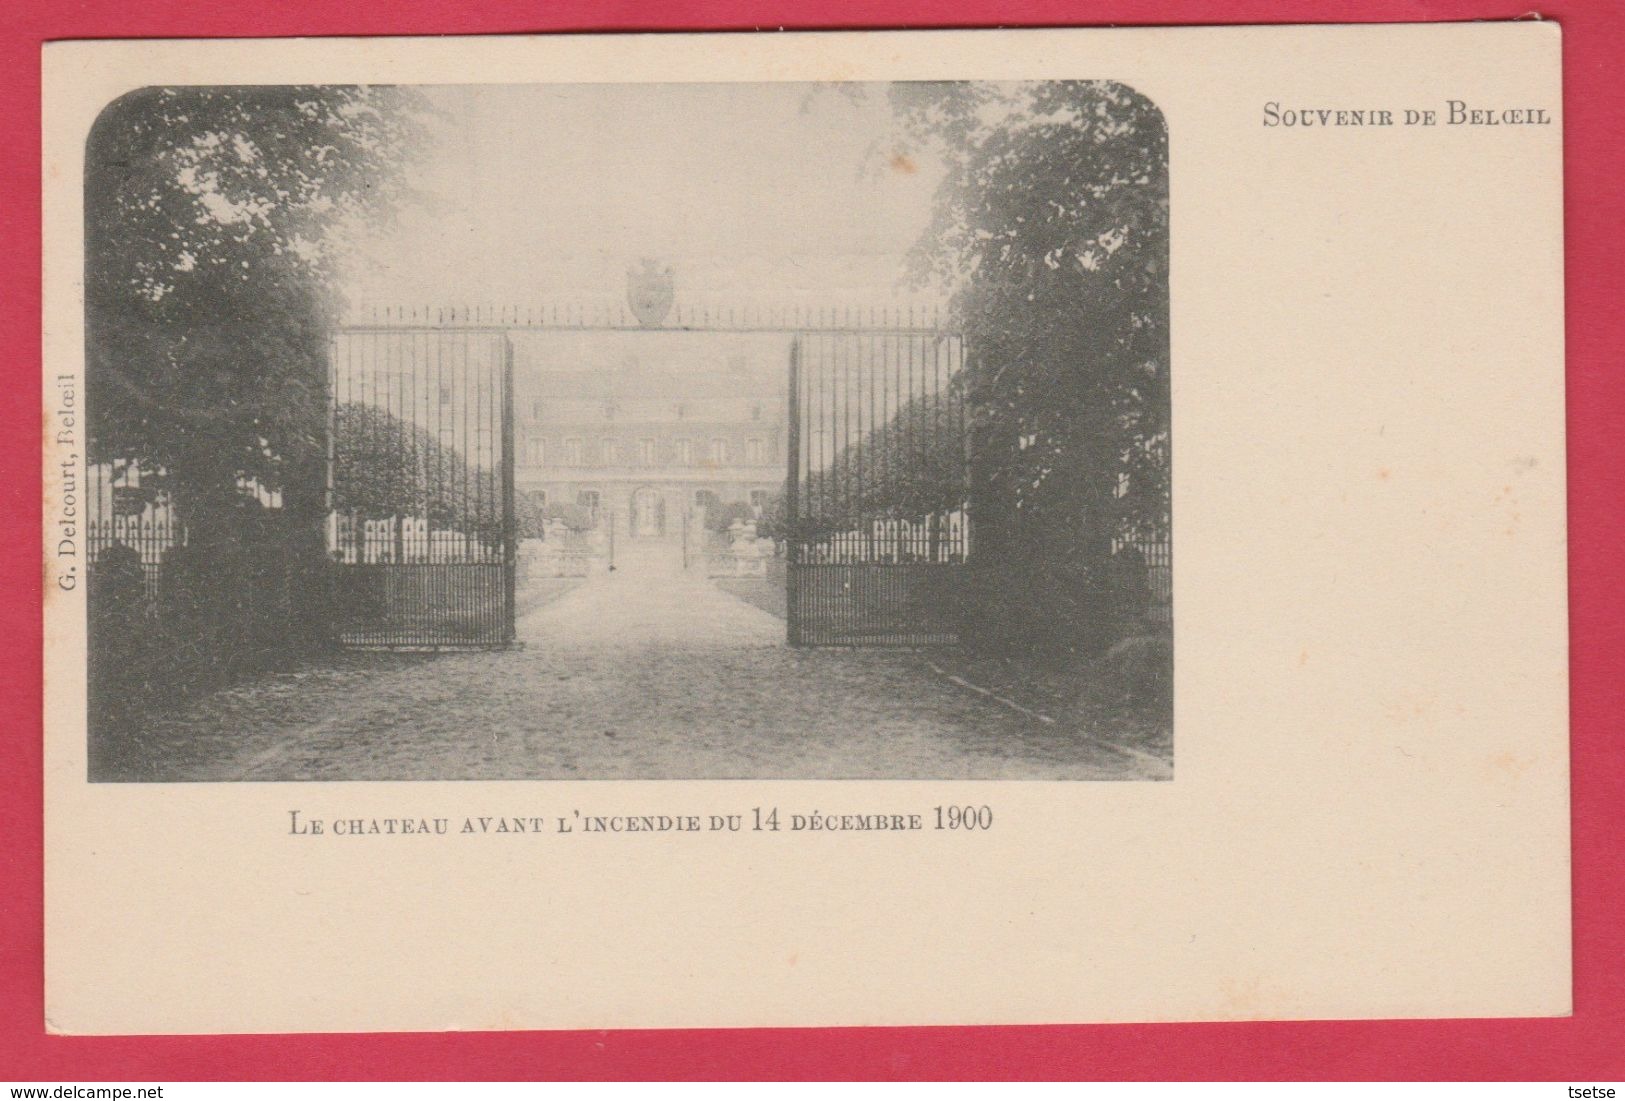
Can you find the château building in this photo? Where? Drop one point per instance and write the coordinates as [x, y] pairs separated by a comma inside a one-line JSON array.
[[641, 438]]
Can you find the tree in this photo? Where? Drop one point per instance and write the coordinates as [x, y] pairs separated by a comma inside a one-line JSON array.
[[388, 466], [530, 516], [1050, 230], [723, 517], [577, 518], [770, 523], [909, 468], [213, 216]]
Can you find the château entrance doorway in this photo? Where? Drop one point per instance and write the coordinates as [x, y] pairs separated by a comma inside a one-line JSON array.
[[648, 514]]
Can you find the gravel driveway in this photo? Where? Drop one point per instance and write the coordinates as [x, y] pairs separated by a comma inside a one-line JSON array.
[[645, 673]]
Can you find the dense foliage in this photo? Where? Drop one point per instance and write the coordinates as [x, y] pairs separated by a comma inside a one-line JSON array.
[[1050, 230], [212, 219], [722, 517], [388, 466], [911, 467], [576, 518]]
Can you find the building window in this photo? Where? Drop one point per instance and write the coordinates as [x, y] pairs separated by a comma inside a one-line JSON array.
[[646, 452], [682, 411], [756, 412], [588, 498], [609, 410], [609, 451], [685, 452], [753, 452], [572, 452], [719, 451], [704, 498], [535, 406], [539, 496], [538, 451], [758, 500]]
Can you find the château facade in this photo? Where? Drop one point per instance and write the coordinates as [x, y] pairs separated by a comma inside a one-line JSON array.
[[639, 441]]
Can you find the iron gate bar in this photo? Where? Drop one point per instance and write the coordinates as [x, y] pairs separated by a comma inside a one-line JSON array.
[[578, 317], [510, 519], [422, 528], [792, 498], [877, 490]]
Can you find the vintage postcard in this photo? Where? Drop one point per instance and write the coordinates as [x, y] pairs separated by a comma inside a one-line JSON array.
[[814, 529]]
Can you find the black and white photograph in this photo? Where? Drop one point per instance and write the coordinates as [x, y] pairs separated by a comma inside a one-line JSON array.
[[647, 431]]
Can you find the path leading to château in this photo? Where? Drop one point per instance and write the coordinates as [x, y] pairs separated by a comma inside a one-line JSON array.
[[649, 672]]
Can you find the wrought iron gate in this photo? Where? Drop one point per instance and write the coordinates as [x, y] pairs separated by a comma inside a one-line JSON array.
[[421, 529], [876, 497]]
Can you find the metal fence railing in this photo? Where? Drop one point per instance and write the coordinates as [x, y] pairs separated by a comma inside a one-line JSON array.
[[1150, 566], [131, 523]]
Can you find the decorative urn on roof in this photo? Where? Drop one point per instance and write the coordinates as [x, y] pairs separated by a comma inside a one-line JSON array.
[[649, 291]]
